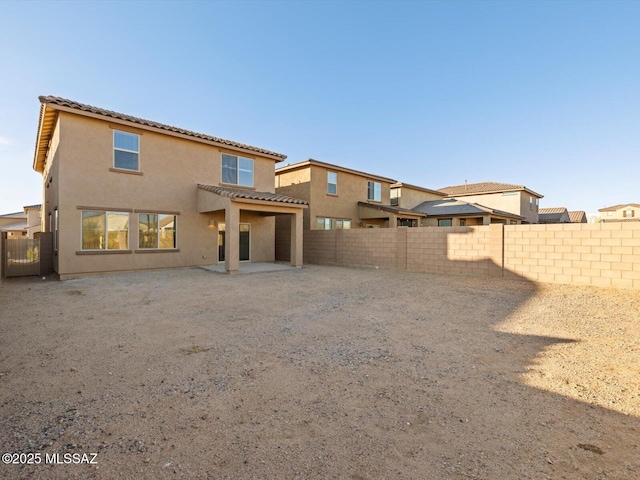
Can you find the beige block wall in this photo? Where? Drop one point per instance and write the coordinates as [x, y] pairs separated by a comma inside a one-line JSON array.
[[171, 169], [605, 255]]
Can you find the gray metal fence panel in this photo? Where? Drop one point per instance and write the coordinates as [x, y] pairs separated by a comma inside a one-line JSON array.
[[22, 257]]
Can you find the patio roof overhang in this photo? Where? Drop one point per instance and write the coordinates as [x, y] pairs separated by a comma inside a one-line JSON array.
[[213, 198], [368, 210]]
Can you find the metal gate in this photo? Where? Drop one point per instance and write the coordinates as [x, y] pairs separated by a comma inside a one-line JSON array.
[[23, 257]]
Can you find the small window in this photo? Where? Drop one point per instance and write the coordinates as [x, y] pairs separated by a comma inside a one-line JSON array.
[[105, 230], [530, 203], [156, 231], [324, 223], [395, 196], [444, 222], [537, 204], [374, 192], [237, 170], [332, 183], [629, 213], [463, 222], [126, 150], [342, 224]]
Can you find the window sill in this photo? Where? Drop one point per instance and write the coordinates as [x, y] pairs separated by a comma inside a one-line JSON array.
[[157, 250], [124, 170], [233, 185], [102, 252], [332, 194]]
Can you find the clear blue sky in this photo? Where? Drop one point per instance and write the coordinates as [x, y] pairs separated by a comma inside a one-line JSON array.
[[544, 94]]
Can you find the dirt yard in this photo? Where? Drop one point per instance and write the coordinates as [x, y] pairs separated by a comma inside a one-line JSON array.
[[319, 373]]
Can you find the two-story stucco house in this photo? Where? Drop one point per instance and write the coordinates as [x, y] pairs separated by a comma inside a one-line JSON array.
[[123, 193], [340, 197], [505, 197], [625, 212]]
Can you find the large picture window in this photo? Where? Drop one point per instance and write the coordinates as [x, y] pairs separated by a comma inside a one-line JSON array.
[[156, 231], [126, 150], [237, 170], [105, 230], [374, 192]]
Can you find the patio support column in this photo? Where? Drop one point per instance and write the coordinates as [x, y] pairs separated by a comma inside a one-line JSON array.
[[232, 238], [296, 239]]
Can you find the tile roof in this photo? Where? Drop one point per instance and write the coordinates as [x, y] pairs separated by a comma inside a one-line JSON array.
[[578, 216], [33, 206], [252, 195], [13, 227], [618, 207], [14, 215], [391, 209], [483, 187], [63, 102], [453, 206], [552, 214]]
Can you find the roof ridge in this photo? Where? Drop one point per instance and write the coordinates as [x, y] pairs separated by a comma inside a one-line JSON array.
[[65, 102]]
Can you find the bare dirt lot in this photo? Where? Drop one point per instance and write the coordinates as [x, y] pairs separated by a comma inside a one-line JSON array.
[[319, 373]]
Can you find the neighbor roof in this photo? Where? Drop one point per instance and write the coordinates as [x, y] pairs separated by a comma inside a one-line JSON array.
[[484, 187], [391, 209], [618, 207], [552, 214], [578, 216], [13, 227], [14, 215], [331, 166], [415, 187], [48, 113], [251, 195], [455, 207]]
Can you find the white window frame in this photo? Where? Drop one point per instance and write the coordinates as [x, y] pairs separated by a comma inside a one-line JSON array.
[[238, 170], [332, 183], [394, 197], [377, 191], [55, 229], [125, 150]]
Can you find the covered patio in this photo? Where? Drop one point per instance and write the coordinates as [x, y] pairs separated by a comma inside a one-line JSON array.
[[233, 201]]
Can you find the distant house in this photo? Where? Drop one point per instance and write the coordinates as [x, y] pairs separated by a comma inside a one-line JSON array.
[[553, 215], [452, 212], [506, 197], [625, 212], [342, 198], [34, 220], [14, 224], [578, 216]]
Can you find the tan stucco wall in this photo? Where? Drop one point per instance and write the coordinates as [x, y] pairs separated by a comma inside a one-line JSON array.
[[171, 169], [34, 222], [351, 190], [410, 197], [296, 184]]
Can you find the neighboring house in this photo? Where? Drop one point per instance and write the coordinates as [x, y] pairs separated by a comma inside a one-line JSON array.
[[340, 197], [625, 212], [553, 215], [34, 220], [408, 196], [578, 216], [122, 193], [515, 199], [14, 224], [451, 212]]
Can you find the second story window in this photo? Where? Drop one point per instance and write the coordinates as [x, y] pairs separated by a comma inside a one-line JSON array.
[[332, 183], [237, 170], [126, 150], [629, 213], [395, 196], [374, 192], [530, 203]]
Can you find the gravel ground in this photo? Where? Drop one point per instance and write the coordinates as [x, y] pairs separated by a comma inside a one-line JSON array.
[[319, 373]]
